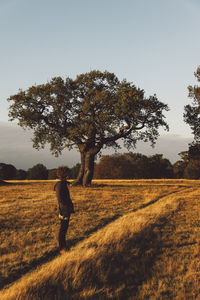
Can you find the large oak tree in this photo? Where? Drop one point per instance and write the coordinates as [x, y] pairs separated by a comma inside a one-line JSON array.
[[92, 112]]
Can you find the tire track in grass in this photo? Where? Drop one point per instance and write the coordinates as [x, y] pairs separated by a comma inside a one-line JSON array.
[[160, 198]]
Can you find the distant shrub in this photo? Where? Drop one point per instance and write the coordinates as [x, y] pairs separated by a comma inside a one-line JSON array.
[[74, 171], [179, 168], [52, 174], [133, 166], [7, 171], [192, 171], [21, 174], [38, 171]]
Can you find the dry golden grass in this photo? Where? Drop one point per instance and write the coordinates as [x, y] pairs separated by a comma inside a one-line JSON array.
[[139, 255]]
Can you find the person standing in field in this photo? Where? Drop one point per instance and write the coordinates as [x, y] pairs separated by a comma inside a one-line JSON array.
[[65, 205]]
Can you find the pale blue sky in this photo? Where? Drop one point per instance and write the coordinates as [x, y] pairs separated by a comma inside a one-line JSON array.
[[153, 43]]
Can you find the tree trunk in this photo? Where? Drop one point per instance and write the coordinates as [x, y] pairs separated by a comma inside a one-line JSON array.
[[89, 169], [86, 171], [79, 179]]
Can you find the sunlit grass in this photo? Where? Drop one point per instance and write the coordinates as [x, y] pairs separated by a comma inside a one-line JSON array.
[[30, 225]]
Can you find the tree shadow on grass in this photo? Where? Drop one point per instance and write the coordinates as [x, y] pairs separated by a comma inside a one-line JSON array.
[[122, 272], [70, 243], [145, 244], [50, 255], [117, 272], [103, 222], [3, 183], [27, 267]]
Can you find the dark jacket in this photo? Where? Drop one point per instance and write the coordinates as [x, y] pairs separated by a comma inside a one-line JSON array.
[[64, 201]]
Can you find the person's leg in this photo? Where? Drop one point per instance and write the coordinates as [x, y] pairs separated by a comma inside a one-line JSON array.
[[64, 224]]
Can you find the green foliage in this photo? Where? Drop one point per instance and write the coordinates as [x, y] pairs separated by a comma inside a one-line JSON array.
[[188, 166], [94, 107], [133, 166], [7, 171], [184, 156], [192, 111], [92, 112], [74, 171], [179, 168], [38, 171], [21, 174], [52, 174], [137, 165], [192, 170], [194, 151], [159, 167], [113, 167]]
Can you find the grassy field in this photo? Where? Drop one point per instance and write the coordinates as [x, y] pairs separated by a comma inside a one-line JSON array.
[[134, 239]]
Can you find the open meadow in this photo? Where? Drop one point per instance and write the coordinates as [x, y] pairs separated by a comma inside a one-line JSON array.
[[128, 239]]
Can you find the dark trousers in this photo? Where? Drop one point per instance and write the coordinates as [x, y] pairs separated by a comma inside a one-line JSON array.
[[64, 224]]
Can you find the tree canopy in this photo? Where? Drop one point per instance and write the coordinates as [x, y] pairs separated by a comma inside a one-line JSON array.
[[90, 113], [38, 171], [192, 170], [192, 111], [188, 166], [21, 174], [7, 171], [133, 166]]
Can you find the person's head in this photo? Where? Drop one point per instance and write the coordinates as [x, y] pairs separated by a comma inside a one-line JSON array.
[[63, 172]]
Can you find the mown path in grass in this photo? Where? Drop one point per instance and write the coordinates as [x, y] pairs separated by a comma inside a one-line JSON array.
[[175, 273]]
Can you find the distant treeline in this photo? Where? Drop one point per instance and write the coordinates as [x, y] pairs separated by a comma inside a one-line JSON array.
[[133, 166], [39, 171], [120, 166]]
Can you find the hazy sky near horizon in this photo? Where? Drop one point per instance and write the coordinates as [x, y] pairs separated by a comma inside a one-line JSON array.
[[154, 44]]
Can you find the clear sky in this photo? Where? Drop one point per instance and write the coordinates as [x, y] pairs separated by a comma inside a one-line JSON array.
[[153, 43]]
